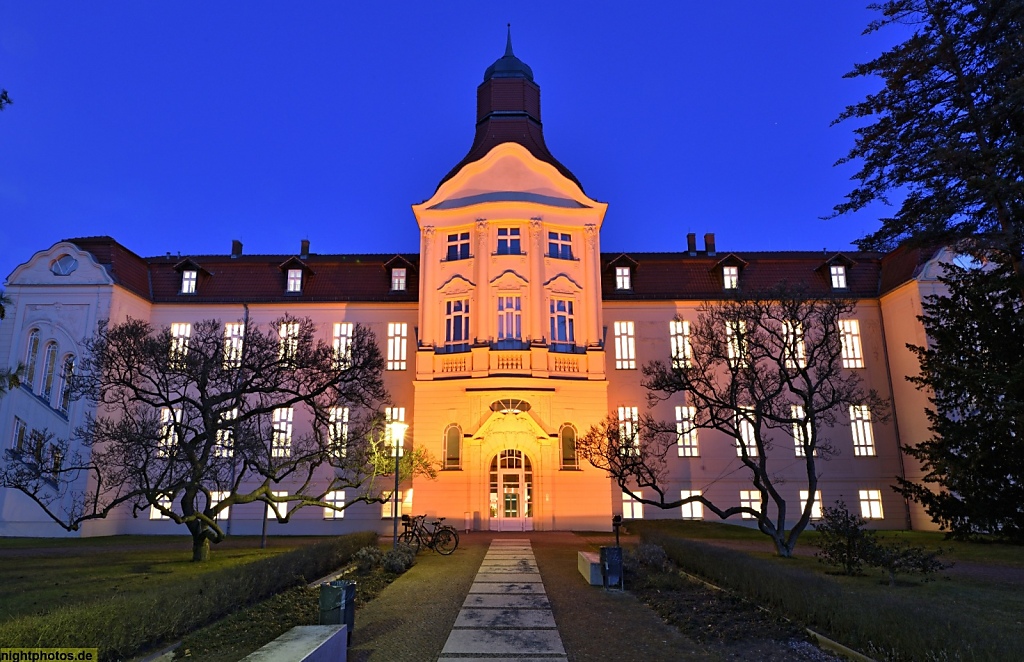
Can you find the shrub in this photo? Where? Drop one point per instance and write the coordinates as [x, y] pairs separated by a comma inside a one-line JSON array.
[[842, 540], [899, 558], [399, 560], [368, 558]]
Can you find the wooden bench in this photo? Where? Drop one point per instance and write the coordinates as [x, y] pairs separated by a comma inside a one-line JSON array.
[[589, 565]]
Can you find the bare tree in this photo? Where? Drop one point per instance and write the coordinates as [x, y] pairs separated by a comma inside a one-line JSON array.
[[758, 367], [9, 377], [192, 424]]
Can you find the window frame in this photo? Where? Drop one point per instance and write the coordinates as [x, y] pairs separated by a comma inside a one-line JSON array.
[[679, 340], [750, 499], [398, 279], [337, 430], [816, 508], [452, 463], [288, 333], [625, 345], [333, 497], [282, 425], [695, 508], [510, 317], [623, 279], [189, 280], [730, 277], [397, 345], [631, 506], [458, 246], [851, 347], [870, 502], [560, 245], [181, 333], [341, 341], [234, 340], [748, 433], [629, 423], [509, 241], [567, 463], [293, 281], [31, 357], [456, 324], [837, 274], [687, 441], [562, 322], [49, 368], [862, 432]]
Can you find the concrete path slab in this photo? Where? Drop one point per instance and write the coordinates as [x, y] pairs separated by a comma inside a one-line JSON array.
[[505, 618], [508, 642], [531, 577], [492, 601], [504, 587]]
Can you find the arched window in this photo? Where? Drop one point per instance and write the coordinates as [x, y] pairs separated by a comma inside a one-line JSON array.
[[49, 368], [31, 356], [567, 442], [453, 447], [64, 393]]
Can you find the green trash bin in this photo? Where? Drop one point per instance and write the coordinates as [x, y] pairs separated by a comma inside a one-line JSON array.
[[338, 604]]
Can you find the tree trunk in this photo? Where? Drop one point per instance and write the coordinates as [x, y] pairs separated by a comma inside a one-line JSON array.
[[200, 548]]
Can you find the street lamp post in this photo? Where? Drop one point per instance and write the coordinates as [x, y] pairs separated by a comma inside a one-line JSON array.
[[396, 432]]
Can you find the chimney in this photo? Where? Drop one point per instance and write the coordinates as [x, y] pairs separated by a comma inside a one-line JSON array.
[[236, 248], [304, 253], [691, 243], [709, 243]]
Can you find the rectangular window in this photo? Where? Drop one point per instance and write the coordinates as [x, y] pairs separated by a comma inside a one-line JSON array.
[[20, 435], [838, 272], [510, 318], [188, 282], [622, 278], [225, 434], [793, 345], [815, 508], [342, 341], [686, 433], [294, 281], [679, 337], [216, 498], [337, 499], [281, 437], [337, 431], [801, 430], [456, 323], [625, 346], [629, 440], [398, 279], [736, 342], [560, 245], [234, 334], [397, 336], [404, 498], [508, 241], [563, 325], [750, 499], [849, 334], [393, 415], [180, 333], [748, 436], [631, 508], [170, 422], [155, 513], [860, 429], [694, 509], [289, 333], [276, 509], [730, 277], [871, 504], [458, 246]]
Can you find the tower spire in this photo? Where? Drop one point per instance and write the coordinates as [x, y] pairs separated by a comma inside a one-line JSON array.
[[508, 43]]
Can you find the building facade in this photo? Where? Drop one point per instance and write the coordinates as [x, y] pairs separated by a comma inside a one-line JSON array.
[[507, 337]]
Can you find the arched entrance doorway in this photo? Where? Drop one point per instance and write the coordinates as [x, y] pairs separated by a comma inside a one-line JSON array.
[[511, 491]]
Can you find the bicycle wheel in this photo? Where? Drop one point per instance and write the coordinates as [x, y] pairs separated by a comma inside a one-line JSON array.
[[444, 542], [411, 539], [454, 532]]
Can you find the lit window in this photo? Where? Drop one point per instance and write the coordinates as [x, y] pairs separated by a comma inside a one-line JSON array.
[[234, 334], [281, 437], [342, 342], [215, 499], [453, 447], [510, 318], [631, 508], [67, 373], [188, 281], [294, 281], [793, 345], [404, 497], [31, 356], [180, 333], [625, 346], [750, 499], [458, 246], [860, 429], [748, 436], [289, 333], [56, 461], [622, 279], [398, 279], [508, 241], [563, 325], [49, 370], [155, 512], [694, 509], [686, 432], [337, 500], [567, 442], [456, 323], [560, 245], [736, 342], [730, 277], [801, 430], [224, 446], [337, 431], [170, 423], [679, 337], [815, 507], [394, 415], [397, 335], [20, 434], [838, 277], [278, 509], [849, 334], [629, 440], [871, 504]]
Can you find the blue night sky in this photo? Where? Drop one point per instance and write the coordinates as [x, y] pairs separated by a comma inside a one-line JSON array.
[[181, 126]]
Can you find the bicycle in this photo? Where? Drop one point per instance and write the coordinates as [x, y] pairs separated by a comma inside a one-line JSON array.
[[443, 539]]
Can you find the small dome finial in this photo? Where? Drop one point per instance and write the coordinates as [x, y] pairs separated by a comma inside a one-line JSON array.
[[508, 44]]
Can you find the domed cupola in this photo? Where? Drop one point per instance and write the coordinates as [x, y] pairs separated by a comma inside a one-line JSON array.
[[508, 65]]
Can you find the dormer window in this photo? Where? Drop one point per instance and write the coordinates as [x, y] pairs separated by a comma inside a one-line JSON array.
[[188, 281], [560, 245], [730, 277], [508, 241], [458, 246], [398, 279], [294, 281], [838, 272], [623, 281]]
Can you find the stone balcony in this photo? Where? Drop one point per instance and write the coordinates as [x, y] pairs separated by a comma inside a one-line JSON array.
[[486, 361]]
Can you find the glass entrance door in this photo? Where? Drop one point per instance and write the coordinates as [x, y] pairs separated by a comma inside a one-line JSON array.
[[511, 492], [511, 496]]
